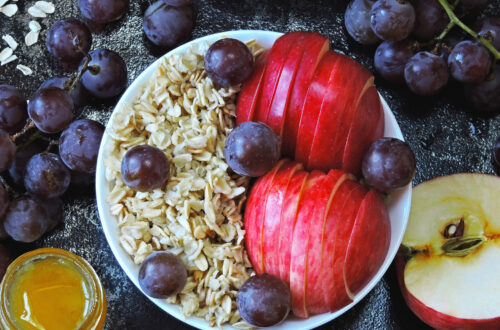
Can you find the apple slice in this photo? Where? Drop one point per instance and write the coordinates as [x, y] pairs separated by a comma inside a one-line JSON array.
[[274, 204], [291, 201], [366, 128], [315, 300], [316, 93], [316, 49], [254, 217], [298, 261], [250, 91], [345, 86], [274, 67], [450, 280], [368, 244]]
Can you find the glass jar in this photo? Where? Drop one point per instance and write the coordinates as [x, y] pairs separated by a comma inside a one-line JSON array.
[[51, 289]]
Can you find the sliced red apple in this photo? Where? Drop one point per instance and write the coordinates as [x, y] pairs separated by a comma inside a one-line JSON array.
[[366, 128], [274, 205], [291, 201], [312, 56], [254, 217], [368, 244], [298, 261], [315, 300], [451, 277], [345, 86], [318, 90], [250, 91], [272, 73]]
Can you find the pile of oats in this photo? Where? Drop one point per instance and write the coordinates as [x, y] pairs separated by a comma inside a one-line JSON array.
[[197, 215]]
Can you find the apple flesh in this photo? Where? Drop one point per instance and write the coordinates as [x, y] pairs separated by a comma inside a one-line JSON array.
[[449, 272]]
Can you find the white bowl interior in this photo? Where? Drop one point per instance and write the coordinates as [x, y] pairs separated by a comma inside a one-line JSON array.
[[398, 202]]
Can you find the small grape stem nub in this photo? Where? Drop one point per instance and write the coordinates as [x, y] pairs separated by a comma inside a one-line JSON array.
[[29, 125]]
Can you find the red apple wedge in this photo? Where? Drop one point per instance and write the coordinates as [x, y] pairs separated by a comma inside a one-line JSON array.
[[254, 217], [274, 67], [291, 201], [368, 244], [274, 205], [318, 90], [312, 56], [366, 128], [448, 267], [315, 301], [298, 260], [345, 87], [250, 91]]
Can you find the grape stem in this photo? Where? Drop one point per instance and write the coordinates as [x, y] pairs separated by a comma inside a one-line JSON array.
[[80, 72], [455, 20]]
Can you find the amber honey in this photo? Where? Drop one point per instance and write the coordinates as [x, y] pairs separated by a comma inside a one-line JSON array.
[[51, 289]]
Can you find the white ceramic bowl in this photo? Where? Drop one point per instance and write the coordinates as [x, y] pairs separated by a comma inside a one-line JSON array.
[[398, 203]]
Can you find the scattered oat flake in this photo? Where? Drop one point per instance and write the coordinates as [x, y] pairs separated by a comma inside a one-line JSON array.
[[24, 69], [10, 41], [35, 26], [3, 2], [5, 53], [9, 10], [45, 6], [36, 12], [8, 60], [31, 38]]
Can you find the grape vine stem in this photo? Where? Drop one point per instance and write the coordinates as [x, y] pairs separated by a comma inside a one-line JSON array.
[[454, 19]]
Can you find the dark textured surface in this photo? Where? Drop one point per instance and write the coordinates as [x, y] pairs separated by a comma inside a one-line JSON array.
[[445, 134]]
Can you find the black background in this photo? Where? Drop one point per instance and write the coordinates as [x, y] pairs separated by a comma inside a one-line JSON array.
[[446, 135]]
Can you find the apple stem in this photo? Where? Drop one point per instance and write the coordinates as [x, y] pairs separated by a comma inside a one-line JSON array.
[[456, 21], [462, 246]]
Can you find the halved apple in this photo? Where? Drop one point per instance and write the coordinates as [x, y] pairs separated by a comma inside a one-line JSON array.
[[448, 266]]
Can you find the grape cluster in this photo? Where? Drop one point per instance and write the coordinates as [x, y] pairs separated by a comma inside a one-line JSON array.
[[416, 48]]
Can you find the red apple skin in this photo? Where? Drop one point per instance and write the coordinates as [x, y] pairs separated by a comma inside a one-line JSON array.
[[274, 67], [369, 243], [366, 128], [315, 300], [316, 93], [434, 318], [250, 91], [272, 220], [254, 217], [346, 87], [291, 201], [310, 60], [298, 261]]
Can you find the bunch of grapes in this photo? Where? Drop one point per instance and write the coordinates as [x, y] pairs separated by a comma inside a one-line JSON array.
[[416, 47]]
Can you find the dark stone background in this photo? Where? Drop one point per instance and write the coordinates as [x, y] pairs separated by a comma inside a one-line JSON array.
[[446, 135]]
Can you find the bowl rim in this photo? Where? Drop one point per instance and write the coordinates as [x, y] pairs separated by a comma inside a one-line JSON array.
[[400, 198]]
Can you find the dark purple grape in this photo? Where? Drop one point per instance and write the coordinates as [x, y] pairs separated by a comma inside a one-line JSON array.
[[16, 170], [13, 109], [178, 3], [357, 22], [485, 96], [168, 26], [264, 300], [426, 74], [54, 209], [106, 75], [4, 200], [3, 233], [82, 179], [46, 176], [489, 28], [79, 145], [162, 275], [5, 260], [7, 151], [229, 62], [430, 19], [68, 40], [78, 95], [469, 62], [391, 58], [26, 220], [496, 151], [472, 7], [388, 164], [51, 109], [392, 20], [145, 168], [103, 11], [252, 149]]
